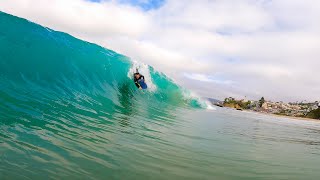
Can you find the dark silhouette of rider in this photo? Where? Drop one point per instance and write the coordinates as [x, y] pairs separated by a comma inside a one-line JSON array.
[[139, 80]]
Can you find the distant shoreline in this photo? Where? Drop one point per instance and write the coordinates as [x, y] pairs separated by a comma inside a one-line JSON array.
[[292, 117], [289, 117], [309, 111], [270, 114]]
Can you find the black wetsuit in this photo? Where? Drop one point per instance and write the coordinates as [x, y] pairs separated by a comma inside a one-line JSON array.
[[140, 82]]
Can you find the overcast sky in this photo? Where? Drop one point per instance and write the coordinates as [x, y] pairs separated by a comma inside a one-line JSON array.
[[216, 48]]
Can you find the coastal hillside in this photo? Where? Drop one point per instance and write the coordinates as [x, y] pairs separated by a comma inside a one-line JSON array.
[[296, 109], [315, 114]]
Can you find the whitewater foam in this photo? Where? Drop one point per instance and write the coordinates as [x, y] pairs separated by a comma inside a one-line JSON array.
[[190, 95], [143, 69]]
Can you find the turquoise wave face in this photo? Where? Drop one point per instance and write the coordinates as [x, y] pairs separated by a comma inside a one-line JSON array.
[[43, 66]]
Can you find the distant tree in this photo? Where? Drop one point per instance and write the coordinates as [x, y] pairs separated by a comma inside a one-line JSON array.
[[261, 101], [226, 100], [229, 100], [314, 114], [245, 105]]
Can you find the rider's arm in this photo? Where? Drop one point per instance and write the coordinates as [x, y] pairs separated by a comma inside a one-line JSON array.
[[137, 84]]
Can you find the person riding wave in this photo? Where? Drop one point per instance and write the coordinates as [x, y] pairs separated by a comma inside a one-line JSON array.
[[139, 80]]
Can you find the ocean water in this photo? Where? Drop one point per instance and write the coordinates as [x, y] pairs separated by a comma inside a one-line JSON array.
[[69, 110]]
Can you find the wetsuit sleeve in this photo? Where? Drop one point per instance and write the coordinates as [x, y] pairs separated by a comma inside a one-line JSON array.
[[136, 83]]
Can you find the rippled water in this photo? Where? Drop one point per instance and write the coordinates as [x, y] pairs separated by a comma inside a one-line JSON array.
[[179, 144]]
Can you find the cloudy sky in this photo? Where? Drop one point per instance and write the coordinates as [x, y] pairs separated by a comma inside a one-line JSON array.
[[216, 48]]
